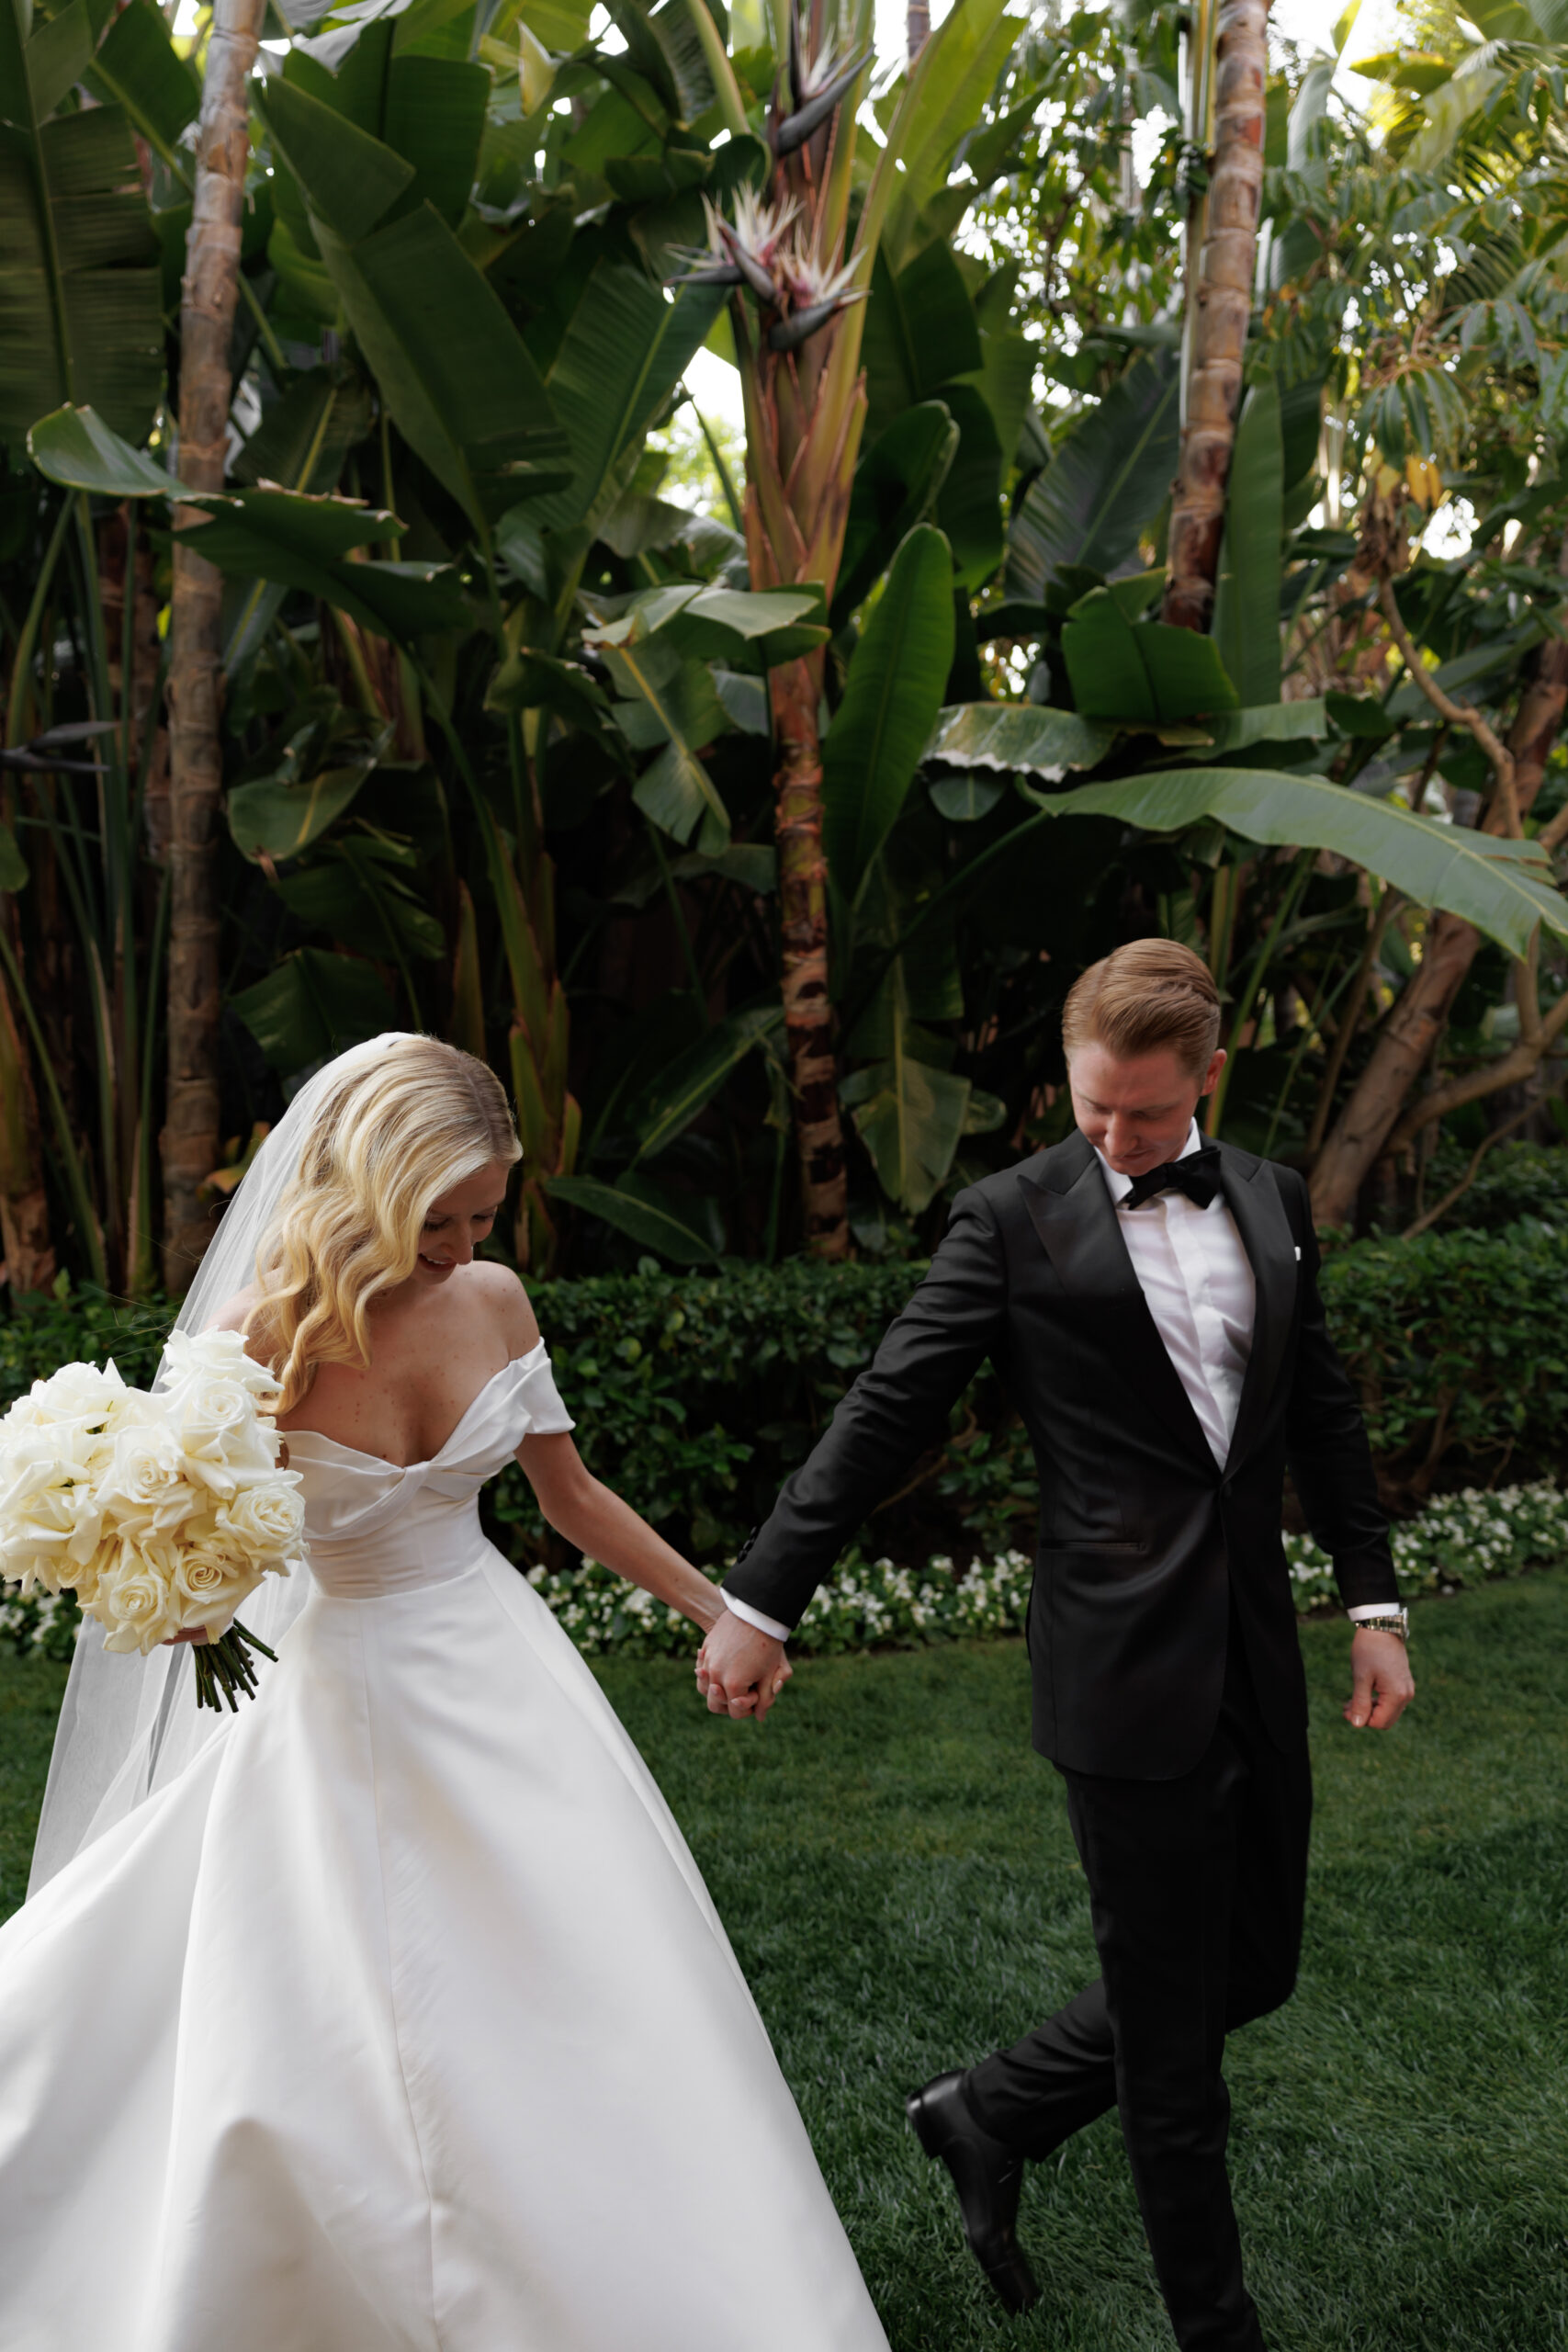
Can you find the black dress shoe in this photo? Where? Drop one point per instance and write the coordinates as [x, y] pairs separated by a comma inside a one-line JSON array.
[[988, 2177]]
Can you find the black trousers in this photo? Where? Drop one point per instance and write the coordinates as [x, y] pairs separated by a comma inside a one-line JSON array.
[[1197, 1886]]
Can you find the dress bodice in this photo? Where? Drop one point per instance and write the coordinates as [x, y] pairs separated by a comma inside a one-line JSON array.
[[373, 1527]]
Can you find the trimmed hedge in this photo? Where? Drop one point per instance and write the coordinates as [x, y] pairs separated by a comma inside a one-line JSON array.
[[696, 1395]]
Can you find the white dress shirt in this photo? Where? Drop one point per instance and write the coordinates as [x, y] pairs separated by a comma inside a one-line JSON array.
[[1203, 1294], [1199, 1283]]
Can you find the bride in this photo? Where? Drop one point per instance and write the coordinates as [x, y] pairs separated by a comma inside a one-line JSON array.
[[391, 2015]]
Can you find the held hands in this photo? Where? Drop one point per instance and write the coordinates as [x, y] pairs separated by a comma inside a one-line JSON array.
[[740, 1670], [1382, 1685]]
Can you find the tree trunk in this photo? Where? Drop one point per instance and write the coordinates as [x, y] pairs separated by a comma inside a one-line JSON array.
[[190, 1140], [802, 923], [25, 1240], [1222, 253], [917, 28], [1400, 1054]]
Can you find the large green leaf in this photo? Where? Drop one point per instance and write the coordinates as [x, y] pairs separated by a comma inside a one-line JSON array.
[[1505, 888], [428, 110], [957, 69], [644, 1217], [313, 1005], [1104, 485], [1027, 736], [688, 1084], [280, 818], [671, 700], [1247, 603], [349, 178], [80, 279], [139, 67], [921, 330], [453, 368], [75, 447], [620, 359], [306, 542], [969, 509], [908, 1112], [891, 698], [1140, 672], [303, 439], [895, 485]]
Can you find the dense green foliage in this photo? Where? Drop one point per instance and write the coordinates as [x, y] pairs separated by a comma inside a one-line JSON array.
[[894, 1869], [696, 1394]]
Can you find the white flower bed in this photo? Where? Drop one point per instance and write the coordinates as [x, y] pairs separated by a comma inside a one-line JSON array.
[[1459, 1540]]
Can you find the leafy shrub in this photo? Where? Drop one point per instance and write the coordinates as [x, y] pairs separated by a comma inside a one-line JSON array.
[[696, 1395], [1514, 1181]]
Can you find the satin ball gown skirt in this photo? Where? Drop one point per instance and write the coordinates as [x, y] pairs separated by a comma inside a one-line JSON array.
[[402, 2021]]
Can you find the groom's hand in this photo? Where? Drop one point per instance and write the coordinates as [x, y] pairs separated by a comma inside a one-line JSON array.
[[741, 1670], [1382, 1684]]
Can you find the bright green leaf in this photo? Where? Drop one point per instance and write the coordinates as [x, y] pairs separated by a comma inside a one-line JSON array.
[[1504, 887], [75, 447], [891, 698], [1140, 672], [1105, 484], [1247, 603], [1027, 736]]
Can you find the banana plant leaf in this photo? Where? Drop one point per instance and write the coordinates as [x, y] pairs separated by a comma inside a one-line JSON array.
[[690, 1082], [312, 1005], [1247, 600], [75, 447], [645, 1214], [908, 1113], [969, 509], [671, 700], [280, 818], [1505, 888], [1142, 673], [895, 485], [1274, 722], [303, 439], [891, 698], [81, 277], [305, 542], [349, 177], [622, 354], [1027, 736], [957, 71], [139, 68], [921, 330], [1104, 485]]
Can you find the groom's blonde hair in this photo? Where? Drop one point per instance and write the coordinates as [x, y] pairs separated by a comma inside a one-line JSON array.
[[1146, 997], [389, 1140]]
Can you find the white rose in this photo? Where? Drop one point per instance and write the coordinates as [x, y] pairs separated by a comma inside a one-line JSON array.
[[265, 1520], [208, 1587], [136, 1606], [144, 1486]]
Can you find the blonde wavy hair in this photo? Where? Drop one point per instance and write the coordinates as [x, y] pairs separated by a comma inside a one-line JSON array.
[[388, 1140]]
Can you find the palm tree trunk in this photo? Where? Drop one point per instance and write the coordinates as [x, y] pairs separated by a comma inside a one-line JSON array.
[[1370, 1116], [917, 28], [189, 1143], [1222, 253], [803, 922]]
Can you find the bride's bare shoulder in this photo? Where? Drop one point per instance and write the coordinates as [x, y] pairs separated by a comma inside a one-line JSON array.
[[230, 1316], [504, 1302]]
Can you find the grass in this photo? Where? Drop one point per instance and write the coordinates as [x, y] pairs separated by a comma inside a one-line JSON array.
[[896, 1872]]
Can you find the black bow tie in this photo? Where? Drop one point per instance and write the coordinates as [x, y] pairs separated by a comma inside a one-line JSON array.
[[1198, 1176]]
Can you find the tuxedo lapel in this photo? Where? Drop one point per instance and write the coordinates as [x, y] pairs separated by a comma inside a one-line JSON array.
[[1254, 1201], [1071, 1210]]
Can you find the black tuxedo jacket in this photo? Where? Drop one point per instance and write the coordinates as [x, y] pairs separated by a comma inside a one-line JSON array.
[[1143, 1540]]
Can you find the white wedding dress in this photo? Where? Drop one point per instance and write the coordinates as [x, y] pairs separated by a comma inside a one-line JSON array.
[[401, 2022]]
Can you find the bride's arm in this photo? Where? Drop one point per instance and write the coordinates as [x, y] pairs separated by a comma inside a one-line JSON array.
[[607, 1529]]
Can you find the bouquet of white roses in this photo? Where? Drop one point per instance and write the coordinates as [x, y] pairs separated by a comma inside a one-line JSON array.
[[161, 1511]]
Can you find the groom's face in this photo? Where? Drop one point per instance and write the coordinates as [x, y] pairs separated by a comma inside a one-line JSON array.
[[1137, 1112]]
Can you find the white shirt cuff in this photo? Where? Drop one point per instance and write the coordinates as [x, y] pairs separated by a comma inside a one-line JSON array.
[[749, 1616], [1371, 1609]]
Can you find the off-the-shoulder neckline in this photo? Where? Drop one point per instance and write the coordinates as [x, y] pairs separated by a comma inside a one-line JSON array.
[[359, 1453]]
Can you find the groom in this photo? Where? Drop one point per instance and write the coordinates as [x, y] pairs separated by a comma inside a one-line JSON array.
[[1150, 1301]]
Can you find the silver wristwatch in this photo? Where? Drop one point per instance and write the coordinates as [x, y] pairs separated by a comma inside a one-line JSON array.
[[1387, 1620]]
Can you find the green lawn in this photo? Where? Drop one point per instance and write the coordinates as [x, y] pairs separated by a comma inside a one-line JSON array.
[[896, 1872]]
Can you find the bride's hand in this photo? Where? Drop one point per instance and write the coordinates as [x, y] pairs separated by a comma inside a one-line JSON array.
[[191, 1633], [741, 1670]]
